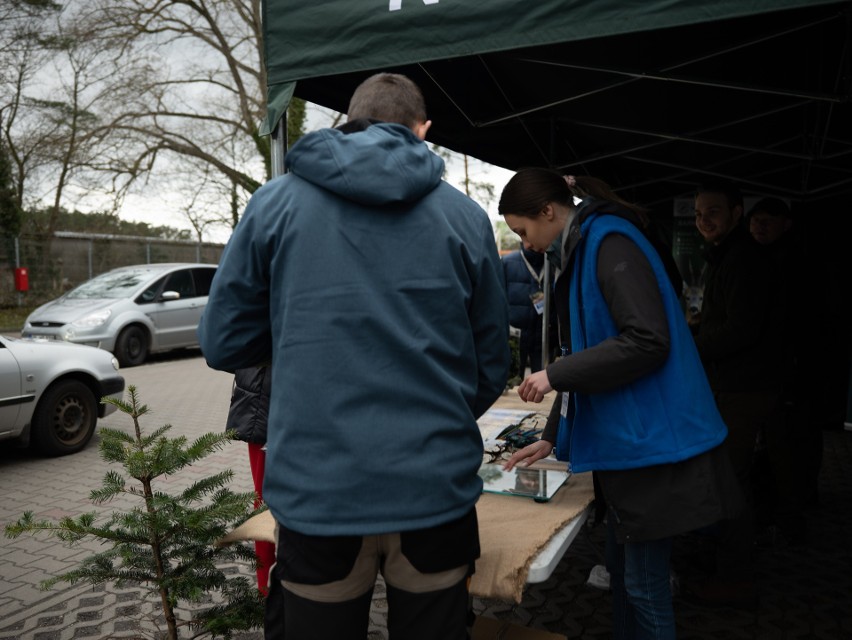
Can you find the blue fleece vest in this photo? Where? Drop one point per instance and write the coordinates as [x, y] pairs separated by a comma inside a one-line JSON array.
[[663, 417]]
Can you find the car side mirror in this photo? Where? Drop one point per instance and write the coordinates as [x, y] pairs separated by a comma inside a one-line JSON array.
[[169, 295]]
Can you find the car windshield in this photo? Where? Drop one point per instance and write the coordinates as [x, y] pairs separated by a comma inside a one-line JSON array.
[[111, 285]]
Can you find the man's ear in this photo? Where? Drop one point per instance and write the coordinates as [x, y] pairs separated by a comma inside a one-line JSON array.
[[421, 128]]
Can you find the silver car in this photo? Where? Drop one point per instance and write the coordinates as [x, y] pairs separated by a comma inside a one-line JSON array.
[[50, 393], [130, 311]]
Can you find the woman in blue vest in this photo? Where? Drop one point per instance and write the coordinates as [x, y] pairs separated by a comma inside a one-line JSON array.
[[633, 404]]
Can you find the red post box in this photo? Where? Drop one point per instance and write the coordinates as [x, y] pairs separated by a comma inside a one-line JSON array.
[[22, 279]]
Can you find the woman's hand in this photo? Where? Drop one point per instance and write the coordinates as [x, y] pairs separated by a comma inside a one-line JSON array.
[[535, 387], [528, 455]]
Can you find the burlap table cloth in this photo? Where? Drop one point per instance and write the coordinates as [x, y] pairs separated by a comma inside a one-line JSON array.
[[512, 531]]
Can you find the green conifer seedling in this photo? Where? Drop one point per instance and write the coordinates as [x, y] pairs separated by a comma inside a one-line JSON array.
[[165, 543]]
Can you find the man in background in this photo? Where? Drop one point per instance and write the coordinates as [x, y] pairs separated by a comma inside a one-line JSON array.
[[738, 342]]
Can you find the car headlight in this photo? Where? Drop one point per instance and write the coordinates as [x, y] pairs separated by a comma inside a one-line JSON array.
[[92, 320], [115, 363]]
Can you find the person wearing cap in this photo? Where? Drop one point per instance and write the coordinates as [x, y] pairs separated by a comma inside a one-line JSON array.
[[769, 220], [793, 438]]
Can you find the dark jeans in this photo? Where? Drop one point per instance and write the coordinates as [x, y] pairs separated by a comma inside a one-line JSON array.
[[641, 588], [529, 351]]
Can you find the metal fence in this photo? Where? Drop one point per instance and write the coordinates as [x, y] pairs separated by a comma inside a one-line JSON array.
[[56, 264]]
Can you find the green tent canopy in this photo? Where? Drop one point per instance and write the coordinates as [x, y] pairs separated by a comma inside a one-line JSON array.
[[653, 96]]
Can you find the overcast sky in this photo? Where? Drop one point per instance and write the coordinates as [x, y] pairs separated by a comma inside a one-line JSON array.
[[158, 208]]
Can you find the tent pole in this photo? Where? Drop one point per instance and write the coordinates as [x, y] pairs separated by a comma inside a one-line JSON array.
[[278, 146]]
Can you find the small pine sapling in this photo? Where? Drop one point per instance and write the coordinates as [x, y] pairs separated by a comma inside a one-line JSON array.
[[165, 543]]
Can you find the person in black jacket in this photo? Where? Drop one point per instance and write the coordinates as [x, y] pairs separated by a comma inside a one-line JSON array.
[[247, 418], [737, 338], [794, 439]]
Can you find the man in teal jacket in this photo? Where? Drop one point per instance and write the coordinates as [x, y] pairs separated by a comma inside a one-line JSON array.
[[376, 288]]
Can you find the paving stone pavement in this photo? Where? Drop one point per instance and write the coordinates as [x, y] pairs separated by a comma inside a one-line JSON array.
[[180, 390], [806, 591]]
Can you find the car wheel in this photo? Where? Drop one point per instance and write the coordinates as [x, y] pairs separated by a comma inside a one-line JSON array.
[[64, 420], [131, 348]]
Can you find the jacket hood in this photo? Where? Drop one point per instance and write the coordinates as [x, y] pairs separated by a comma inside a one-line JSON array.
[[382, 164]]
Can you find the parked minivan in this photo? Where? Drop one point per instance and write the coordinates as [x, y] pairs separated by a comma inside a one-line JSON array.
[[131, 311]]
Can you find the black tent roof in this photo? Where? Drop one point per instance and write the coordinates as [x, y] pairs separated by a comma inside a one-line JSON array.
[[760, 99]]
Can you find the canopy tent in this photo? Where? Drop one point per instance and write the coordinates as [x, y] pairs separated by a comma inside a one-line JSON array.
[[654, 96]]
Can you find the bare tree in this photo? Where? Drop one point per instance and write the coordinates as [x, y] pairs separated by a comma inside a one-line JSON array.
[[128, 96], [480, 190], [10, 211], [162, 96], [23, 25], [17, 20], [206, 100], [58, 116]]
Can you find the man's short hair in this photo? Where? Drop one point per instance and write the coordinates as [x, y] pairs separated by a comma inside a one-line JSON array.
[[728, 189], [389, 97]]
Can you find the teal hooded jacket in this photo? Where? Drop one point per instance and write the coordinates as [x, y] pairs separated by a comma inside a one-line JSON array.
[[376, 291]]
